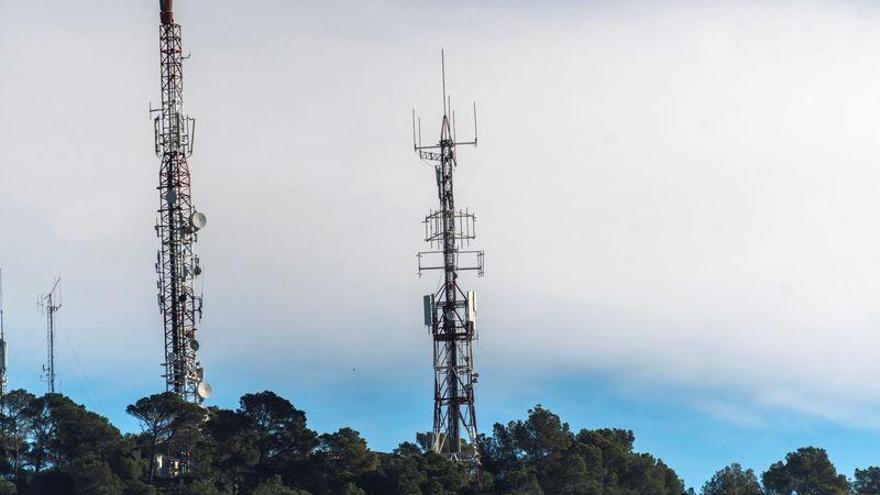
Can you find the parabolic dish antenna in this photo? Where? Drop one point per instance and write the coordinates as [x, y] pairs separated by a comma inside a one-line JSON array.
[[194, 344], [204, 390], [198, 220], [171, 196]]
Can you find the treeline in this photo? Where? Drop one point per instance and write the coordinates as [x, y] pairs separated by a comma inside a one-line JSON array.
[[52, 446]]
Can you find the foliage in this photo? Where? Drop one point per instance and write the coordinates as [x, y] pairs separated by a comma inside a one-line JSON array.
[[274, 486], [53, 446], [733, 480], [541, 455], [866, 481], [168, 424], [804, 472]]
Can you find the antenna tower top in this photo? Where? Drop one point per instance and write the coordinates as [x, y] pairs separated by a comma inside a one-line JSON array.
[[166, 11]]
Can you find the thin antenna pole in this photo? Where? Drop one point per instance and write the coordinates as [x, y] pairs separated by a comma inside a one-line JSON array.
[[443, 70], [2, 347], [414, 128], [2, 330], [475, 123], [453, 126]]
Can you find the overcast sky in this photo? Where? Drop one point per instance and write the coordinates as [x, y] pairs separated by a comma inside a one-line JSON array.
[[678, 201]]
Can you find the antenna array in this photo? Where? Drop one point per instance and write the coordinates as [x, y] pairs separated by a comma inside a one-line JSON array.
[[450, 312]]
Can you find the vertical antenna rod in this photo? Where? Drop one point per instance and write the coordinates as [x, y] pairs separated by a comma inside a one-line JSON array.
[[51, 304], [178, 222], [3, 378], [450, 312]]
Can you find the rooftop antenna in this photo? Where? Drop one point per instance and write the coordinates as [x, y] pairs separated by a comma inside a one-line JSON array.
[[450, 312], [51, 303], [178, 223]]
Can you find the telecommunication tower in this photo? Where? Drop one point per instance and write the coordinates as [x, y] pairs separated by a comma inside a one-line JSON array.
[[178, 222], [50, 303], [450, 312]]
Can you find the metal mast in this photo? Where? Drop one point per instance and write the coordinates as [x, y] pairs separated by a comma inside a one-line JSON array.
[[450, 312], [178, 222], [3, 378], [51, 305]]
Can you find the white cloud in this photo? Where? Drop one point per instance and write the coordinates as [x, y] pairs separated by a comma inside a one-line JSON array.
[[683, 196]]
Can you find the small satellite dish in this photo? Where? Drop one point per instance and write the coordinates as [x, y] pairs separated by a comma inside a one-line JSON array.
[[171, 196], [194, 344], [204, 390], [197, 270], [198, 220]]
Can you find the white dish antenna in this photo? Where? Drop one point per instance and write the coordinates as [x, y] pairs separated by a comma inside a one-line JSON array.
[[204, 390], [198, 220]]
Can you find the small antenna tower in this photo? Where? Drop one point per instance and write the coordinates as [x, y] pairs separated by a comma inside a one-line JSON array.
[[51, 303], [178, 223], [3, 378], [450, 312]]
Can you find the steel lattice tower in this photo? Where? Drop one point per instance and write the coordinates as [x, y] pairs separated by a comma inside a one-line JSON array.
[[450, 312], [51, 305], [178, 222]]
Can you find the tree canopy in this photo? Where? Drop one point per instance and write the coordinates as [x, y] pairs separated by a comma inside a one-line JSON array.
[[733, 480], [52, 446]]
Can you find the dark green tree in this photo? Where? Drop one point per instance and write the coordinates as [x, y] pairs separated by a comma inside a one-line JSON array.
[[541, 455], [235, 449], [342, 459], [274, 486], [74, 451], [282, 427], [866, 481], [733, 480], [808, 471], [16, 428], [168, 424]]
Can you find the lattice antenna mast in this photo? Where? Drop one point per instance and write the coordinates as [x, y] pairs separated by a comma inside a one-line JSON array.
[[178, 223], [3, 377], [51, 303], [450, 312]]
